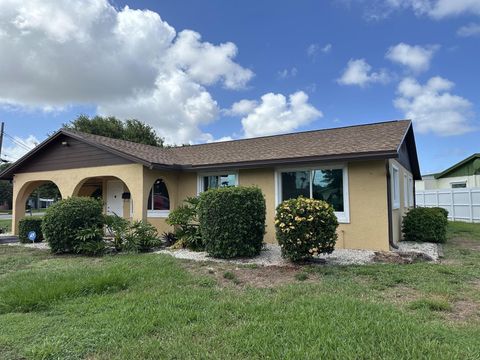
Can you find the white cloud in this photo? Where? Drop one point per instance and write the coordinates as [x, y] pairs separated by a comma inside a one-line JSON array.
[[415, 57], [444, 8], [243, 107], [16, 149], [359, 72], [275, 114], [128, 63], [433, 107], [327, 48], [436, 9], [286, 73], [472, 29], [314, 49]]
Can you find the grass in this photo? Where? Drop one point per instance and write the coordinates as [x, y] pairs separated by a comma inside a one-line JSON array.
[[151, 306], [6, 225]]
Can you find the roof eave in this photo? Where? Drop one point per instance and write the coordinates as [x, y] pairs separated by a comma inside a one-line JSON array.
[[380, 155]]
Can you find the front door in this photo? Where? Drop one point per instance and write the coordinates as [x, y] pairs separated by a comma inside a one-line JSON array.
[[114, 198]]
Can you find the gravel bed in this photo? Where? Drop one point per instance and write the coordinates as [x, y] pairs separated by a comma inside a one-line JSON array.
[[40, 245], [429, 249], [271, 256]]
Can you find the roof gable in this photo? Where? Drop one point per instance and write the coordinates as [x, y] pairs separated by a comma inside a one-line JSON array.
[[62, 151]]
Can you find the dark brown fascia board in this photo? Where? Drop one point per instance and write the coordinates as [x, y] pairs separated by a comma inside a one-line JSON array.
[[109, 149], [7, 174], [412, 151], [289, 161]]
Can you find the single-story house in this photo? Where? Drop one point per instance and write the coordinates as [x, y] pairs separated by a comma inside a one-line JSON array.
[[464, 174], [366, 172]]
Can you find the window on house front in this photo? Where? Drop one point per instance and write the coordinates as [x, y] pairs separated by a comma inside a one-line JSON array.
[[217, 181], [158, 199], [320, 184], [395, 187], [459, 185]]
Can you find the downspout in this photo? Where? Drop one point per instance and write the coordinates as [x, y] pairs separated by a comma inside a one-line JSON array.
[[389, 206]]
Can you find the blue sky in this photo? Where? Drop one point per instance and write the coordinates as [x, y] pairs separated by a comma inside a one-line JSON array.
[[288, 66]]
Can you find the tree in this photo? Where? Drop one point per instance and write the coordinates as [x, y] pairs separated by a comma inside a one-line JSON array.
[[47, 191], [6, 188], [131, 130]]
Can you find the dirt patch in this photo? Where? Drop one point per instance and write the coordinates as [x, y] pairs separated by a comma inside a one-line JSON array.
[[228, 275], [464, 310], [466, 243], [400, 295], [400, 257]]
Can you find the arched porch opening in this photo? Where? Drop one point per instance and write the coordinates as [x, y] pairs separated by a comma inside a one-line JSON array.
[[33, 199], [113, 191]]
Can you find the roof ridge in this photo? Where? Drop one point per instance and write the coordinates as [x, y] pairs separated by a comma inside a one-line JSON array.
[[292, 133], [66, 130]]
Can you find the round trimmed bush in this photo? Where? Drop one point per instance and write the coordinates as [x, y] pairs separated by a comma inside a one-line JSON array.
[[305, 228], [232, 221], [425, 225], [28, 224], [64, 219]]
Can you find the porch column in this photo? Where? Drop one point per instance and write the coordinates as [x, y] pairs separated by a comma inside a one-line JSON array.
[[139, 196], [18, 207]]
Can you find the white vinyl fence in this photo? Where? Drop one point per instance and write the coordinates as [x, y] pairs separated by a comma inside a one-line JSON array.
[[461, 204]]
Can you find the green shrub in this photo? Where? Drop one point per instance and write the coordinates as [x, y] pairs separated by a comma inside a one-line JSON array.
[[90, 242], [185, 222], [140, 237], [305, 227], [425, 225], [64, 219], [232, 221], [28, 224], [169, 238], [442, 211], [116, 227]]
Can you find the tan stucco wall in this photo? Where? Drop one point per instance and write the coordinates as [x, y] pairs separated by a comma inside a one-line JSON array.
[[367, 228], [265, 180], [70, 181], [397, 214]]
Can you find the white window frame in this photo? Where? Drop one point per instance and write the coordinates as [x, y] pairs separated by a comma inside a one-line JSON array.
[[200, 177], [157, 213], [395, 187], [410, 191], [458, 183], [342, 216]]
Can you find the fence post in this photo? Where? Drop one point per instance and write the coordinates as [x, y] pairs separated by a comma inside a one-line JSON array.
[[471, 204], [452, 200]]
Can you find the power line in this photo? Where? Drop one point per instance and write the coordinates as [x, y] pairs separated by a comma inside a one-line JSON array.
[[17, 142]]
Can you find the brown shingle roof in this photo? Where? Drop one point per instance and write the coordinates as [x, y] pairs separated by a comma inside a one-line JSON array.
[[379, 140], [357, 140]]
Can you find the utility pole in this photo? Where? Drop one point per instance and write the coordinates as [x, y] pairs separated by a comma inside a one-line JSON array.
[[1, 138]]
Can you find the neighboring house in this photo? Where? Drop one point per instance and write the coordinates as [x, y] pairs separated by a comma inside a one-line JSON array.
[[464, 174], [366, 172]]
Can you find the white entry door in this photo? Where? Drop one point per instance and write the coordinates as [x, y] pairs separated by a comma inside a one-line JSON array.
[[114, 198]]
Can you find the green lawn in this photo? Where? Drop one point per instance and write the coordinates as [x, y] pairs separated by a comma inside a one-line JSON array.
[[155, 307], [6, 225]]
